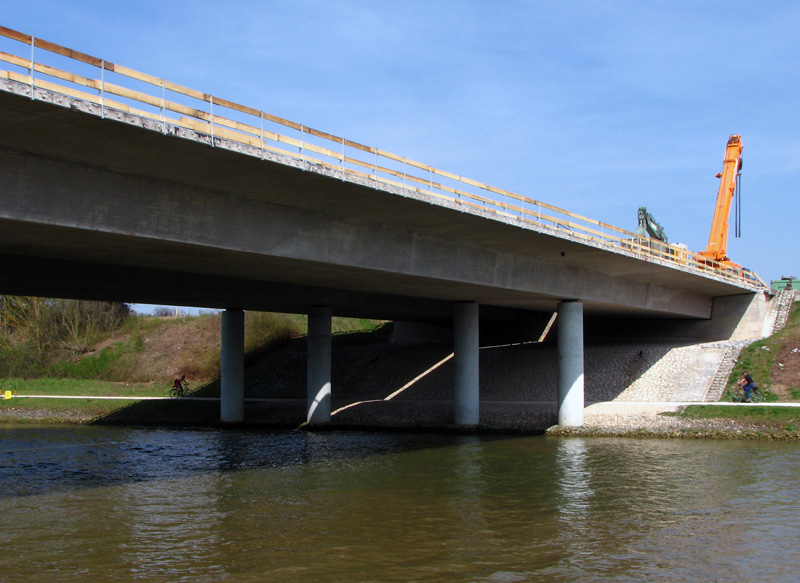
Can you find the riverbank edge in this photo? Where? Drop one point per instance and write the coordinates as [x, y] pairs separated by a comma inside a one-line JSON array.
[[736, 430], [640, 420]]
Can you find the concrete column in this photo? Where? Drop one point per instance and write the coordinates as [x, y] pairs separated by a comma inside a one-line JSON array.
[[465, 347], [318, 383], [570, 364], [232, 365]]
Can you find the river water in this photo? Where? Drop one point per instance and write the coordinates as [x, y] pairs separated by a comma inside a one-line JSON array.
[[138, 504]]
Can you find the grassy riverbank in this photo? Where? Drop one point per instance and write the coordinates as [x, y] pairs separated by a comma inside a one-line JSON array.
[[137, 357], [751, 420]]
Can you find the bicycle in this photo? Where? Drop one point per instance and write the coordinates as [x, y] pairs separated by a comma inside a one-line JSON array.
[[179, 390], [738, 396]]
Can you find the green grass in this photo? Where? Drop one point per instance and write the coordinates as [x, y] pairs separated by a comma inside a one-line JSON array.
[[101, 366], [751, 413], [757, 358], [80, 387]]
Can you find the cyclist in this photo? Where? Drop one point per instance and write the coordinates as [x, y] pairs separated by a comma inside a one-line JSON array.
[[181, 385], [747, 383]]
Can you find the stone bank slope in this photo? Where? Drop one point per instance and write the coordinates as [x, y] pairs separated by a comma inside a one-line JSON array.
[[518, 383]]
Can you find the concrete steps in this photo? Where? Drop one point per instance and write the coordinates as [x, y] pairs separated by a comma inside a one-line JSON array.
[[785, 299], [729, 357]]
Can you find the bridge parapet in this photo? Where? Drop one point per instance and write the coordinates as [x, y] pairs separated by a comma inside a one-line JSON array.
[[119, 93]]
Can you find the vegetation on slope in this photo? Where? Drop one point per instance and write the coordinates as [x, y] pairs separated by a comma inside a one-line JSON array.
[[81, 340], [774, 362]]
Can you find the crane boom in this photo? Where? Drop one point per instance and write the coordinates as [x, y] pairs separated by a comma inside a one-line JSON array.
[[718, 240]]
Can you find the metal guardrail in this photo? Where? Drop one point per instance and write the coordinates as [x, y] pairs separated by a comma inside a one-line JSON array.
[[52, 67]]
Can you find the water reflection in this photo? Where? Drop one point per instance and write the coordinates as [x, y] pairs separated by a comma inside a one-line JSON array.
[[573, 481], [573, 504], [141, 504]]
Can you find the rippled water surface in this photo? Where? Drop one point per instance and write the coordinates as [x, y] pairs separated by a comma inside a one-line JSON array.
[[115, 504]]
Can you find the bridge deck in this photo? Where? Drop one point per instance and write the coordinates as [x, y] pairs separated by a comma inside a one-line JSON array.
[[224, 202]]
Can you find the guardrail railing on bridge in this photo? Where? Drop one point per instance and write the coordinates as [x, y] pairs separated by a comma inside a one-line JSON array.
[[52, 67]]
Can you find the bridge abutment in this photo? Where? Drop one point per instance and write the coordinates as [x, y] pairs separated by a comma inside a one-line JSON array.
[[466, 354], [318, 383], [570, 363], [232, 367]]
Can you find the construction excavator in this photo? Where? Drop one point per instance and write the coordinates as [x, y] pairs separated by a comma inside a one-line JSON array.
[[729, 178], [649, 226]]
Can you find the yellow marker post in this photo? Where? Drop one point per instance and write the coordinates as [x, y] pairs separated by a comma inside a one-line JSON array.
[[7, 395]]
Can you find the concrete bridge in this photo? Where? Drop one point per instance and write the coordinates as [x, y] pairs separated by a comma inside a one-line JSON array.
[[111, 190]]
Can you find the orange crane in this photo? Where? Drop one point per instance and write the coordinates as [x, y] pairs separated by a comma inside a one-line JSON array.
[[718, 240]]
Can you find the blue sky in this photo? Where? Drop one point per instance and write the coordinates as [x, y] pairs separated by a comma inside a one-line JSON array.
[[598, 107]]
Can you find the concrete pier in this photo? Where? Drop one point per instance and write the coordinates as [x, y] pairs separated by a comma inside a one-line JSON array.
[[232, 365], [318, 383], [465, 347], [570, 364]]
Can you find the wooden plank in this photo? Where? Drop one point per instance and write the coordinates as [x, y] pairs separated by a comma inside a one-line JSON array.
[[15, 60], [234, 136], [474, 183], [157, 82], [224, 121], [196, 125], [411, 163], [71, 77], [361, 147], [133, 74], [395, 157], [26, 79], [507, 193], [268, 135], [59, 50], [15, 35], [186, 91], [235, 106], [324, 135], [290, 141], [109, 104], [313, 148], [132, 94], [449, 175], [358, 162], [360, 174], [390, 172], [180, 108], [281, 121]]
